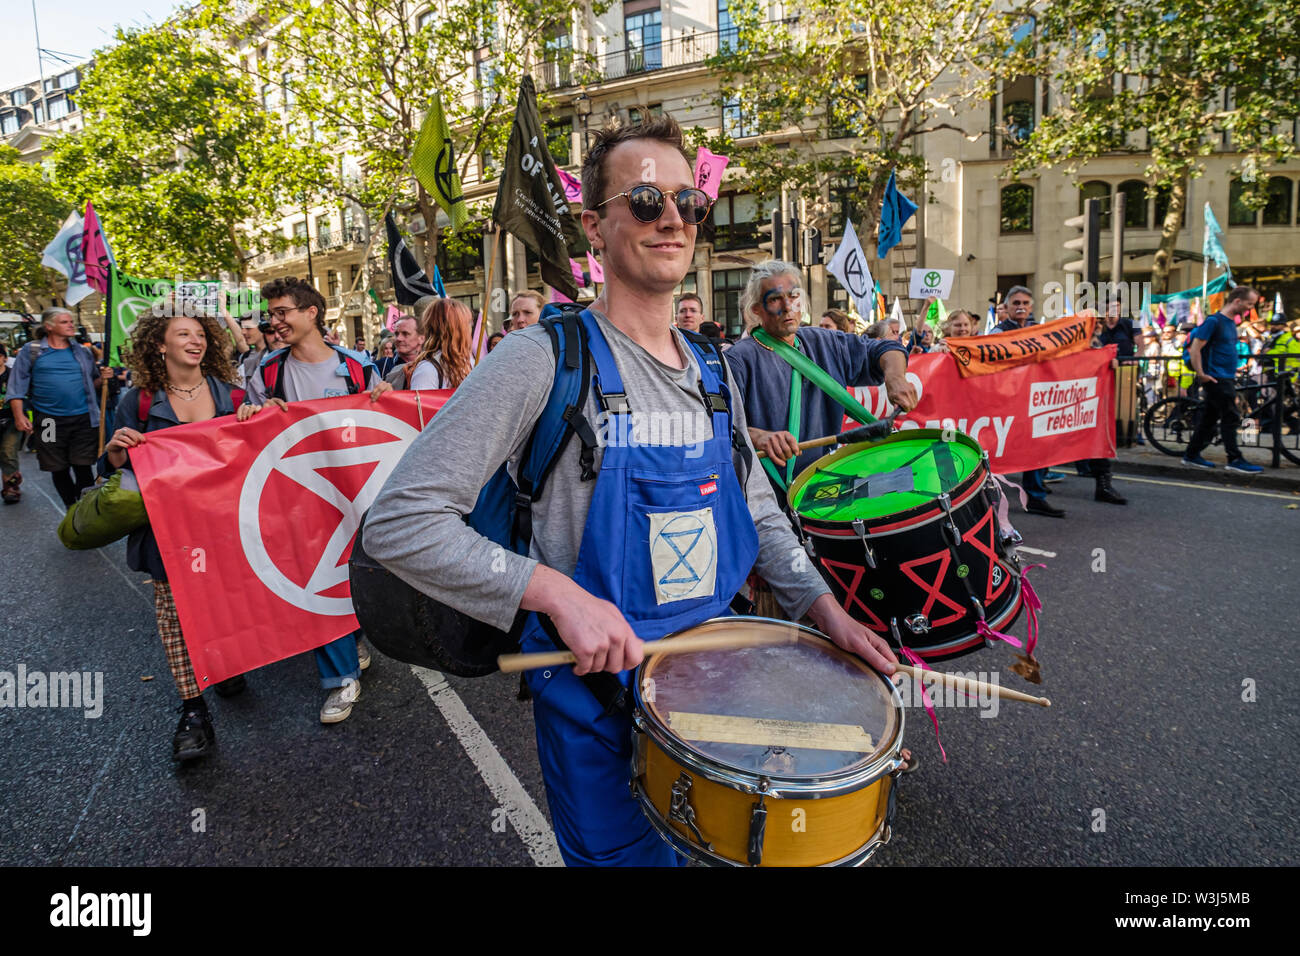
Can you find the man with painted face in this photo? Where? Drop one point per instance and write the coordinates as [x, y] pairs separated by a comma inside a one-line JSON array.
[[592, 576], [778, 417]]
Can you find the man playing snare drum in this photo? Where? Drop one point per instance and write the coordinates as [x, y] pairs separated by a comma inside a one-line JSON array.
[[596, 574]]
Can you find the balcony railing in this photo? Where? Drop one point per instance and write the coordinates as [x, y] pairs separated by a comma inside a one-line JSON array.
[[329, 242], [339, 239], [687, 50]]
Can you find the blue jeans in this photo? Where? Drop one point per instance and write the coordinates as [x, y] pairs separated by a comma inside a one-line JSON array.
[[1033, 483], [337, 661]]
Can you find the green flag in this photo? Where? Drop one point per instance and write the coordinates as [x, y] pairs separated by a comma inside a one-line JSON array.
[[129, 297], [434, 165], [531, 203]]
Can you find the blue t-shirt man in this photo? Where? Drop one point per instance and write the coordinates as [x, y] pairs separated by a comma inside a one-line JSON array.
[[1219, 354], [58, 388]]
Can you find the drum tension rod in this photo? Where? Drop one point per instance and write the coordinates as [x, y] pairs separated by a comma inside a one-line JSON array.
[[949, 527], [860, 528], [804, 539], [757, 830], [680, 809]]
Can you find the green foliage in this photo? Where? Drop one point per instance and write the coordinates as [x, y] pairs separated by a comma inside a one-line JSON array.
[[844, 88], [31, 213], [182, 164], [362, 74]]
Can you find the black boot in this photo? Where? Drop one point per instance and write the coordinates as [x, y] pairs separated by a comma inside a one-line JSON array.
[[1106, 492], [194, 736]]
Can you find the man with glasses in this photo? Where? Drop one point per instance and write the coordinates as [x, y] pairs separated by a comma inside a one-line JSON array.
[[779, 415], [309, 367], [1213, 357], [600, 576]]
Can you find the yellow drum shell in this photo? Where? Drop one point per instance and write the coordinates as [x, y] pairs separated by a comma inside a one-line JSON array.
[[841, 818]]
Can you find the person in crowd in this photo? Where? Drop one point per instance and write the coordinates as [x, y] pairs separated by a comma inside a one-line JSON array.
[[309, 367], [525, 309], [713, 332], [180, 373], [386, 357], [594, 578], [360, 346], [959, 324], [444, 361], [408, 339], [256, 332], [494, 340], [60, 381], [1213, 357], [773, 300], [11, 440], [838, 319], [690, 312], [1019, 314]]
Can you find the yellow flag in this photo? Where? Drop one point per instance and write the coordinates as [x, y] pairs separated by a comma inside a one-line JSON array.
[[434, 165]]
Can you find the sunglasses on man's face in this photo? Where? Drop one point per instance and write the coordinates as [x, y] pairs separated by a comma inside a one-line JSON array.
[[646, 203]]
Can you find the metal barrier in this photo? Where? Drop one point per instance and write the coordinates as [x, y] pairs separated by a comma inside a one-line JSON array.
[[1156, 400]]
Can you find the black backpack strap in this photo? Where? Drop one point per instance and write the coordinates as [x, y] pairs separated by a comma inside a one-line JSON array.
[[608, 690]]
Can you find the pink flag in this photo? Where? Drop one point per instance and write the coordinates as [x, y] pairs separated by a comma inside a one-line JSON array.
[[94, 252], [476, 339], [558, 296], [708, 171], [593, 265], [394, 313], [572, 186], [579, 274]]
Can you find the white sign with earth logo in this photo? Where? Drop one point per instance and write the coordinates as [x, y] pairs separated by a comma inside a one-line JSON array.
[[931, 282]]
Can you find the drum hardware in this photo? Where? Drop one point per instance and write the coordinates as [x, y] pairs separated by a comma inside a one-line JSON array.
[[949, 526], [682, 811], [757, 830], [804, 539], [860, 527], [917, 623]]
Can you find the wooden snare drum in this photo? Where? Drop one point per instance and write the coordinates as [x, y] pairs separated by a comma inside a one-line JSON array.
[[783, 755]]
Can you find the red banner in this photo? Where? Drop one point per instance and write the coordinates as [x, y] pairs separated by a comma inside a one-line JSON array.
[[255, 520], [1030, 416]]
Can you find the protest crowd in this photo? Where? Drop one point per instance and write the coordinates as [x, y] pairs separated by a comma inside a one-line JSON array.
[[748, 406]]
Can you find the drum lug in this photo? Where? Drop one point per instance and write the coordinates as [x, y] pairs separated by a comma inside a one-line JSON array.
[[757, 830], [860, 528], [805, 540], [949, 527], [680, 809]]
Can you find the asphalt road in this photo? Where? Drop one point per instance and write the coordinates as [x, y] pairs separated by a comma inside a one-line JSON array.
[[1149, 756]]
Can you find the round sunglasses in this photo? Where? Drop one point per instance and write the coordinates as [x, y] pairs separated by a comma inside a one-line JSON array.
[[646, 203]]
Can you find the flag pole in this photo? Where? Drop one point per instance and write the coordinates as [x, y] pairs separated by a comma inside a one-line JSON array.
[[492, 265], [108, 352]]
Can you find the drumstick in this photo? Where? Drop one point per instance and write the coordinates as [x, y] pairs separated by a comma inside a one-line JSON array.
[[512, 663], [973, 686], [870, 432]]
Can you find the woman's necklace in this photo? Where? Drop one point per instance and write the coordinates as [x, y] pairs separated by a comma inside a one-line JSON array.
[[189, 394]]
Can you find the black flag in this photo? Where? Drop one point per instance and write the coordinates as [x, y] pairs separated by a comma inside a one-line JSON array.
[[531, 203], [409, 281]]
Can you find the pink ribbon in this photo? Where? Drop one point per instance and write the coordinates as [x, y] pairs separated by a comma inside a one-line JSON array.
[[916, 661], [1033, 604], [1004, 505], [986, 632]]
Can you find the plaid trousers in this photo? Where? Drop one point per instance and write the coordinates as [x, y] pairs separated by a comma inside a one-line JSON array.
[[169, 628]]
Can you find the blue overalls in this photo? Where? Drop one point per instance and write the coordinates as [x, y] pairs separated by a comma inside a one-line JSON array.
[[668, 539]]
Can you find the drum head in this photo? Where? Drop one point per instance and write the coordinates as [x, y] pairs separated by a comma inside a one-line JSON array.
[[794, 711], [908, 469]]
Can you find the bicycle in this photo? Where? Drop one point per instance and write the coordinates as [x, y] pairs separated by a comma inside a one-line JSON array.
[[1170, 423]]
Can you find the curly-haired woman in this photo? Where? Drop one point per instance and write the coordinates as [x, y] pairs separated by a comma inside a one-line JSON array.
[[444, 360], [180, 363]]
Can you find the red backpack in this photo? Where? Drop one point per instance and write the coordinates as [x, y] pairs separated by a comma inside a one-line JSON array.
[[274, 380]]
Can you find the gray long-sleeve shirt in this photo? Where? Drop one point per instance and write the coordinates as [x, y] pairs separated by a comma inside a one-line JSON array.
[[416, 526]]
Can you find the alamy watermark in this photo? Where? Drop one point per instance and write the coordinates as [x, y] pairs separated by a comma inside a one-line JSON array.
[[983, 698], [77, 690], [638, 429], [1074, 297]]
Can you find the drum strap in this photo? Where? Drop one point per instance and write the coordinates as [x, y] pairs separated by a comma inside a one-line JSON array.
[[794, 422], [815, 374]]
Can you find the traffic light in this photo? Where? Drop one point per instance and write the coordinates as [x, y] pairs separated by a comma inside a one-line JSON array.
[[774, 230], [1088, 244], [813, 246]]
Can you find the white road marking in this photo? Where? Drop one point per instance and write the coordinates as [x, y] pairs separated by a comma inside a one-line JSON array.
[[99, 551], [1042, 554], [509, 793], [95, 789], [1208, 487]]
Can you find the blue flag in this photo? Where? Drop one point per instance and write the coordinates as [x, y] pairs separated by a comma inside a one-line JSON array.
[[895, 212], [437, 282], [1212, 248]]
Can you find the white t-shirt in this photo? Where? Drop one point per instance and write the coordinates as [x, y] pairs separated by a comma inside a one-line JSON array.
[[428, 375]]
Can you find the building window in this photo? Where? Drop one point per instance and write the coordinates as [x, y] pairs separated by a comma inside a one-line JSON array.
[[335, 283], [323, 228], [487, 28], [485, 73], [1239, 214], [266, 95], [1278, 210], [846, 118], [1096, 189], [459, 266], [68, 80], [1135, 203], [727, 286], [38, 112], [1161, 204], [642, 31], [1018, 208], [559, 140], [639, 114], [557, 56], [290, 97], [18, 97], [737, 121], [727, 32], [424, 20], [59, 107], [9, 123], [735, 222], [300, 230]]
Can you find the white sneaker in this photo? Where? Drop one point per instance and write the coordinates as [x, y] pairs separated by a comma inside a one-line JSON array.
[[338, 705], [363, 653]]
